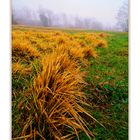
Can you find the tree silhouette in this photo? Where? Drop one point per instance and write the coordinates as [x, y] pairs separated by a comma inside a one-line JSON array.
[[122, 17]]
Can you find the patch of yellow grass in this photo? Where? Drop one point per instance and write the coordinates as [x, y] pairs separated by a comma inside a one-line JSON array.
[[89, 52], [18, 68], [55, 101], [24, 50], [102, 43]]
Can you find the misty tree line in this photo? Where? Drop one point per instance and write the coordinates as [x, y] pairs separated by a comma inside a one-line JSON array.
[[48, 18], [45, 17]]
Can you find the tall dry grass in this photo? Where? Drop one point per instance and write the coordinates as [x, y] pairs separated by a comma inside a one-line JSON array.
[[18, 68], [54, 105], [55, 101], [24, 50]]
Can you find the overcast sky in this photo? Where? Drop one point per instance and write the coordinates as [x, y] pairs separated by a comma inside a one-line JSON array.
[[102, 10]]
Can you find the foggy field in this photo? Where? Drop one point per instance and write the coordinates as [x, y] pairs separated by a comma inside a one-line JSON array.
[[69, 84]]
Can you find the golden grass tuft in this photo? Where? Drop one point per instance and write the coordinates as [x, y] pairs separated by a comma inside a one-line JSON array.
[[18, 68], [102, 35], [24, 50], [56, 101], [102, 43], [89, 52]]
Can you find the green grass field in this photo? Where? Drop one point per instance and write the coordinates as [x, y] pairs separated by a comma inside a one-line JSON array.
[[107, 89]]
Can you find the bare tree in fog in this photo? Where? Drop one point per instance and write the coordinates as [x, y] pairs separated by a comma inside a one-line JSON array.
[[91, 23], [78, 23], [13, 17], [43, 18], [65, 19], [23, 16], [46, 17], [97, 25], [16, 18], [88, 23], [122, 17]]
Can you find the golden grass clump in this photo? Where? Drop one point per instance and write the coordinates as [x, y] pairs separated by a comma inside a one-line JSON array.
[[18, 68], [56, 102], [23, 49], [89, 52], [76, 53], [102, 34], [102, 43], [46, 42]]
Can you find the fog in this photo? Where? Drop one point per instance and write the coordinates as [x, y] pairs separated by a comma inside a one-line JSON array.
[[85, 14]]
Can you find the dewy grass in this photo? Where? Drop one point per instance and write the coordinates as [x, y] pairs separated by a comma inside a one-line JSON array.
[[55, 100]]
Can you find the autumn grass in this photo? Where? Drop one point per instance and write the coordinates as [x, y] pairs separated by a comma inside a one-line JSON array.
[[47, 94], [23, 50], [69, 84], [55, 101]]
